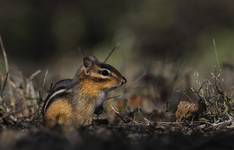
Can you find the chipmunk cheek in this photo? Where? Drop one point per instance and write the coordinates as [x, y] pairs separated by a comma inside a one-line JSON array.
[[112, 84]]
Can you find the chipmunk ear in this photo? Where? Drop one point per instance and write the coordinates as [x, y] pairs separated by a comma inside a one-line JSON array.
[[89, 61]]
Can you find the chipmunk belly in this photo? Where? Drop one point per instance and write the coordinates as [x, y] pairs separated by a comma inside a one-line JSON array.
[[59, 113], [83, 111]]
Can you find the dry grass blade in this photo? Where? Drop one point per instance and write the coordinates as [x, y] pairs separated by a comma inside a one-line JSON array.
[[216, 53], [118, 114], [139, 78], [147, 121], [113, 97], [35, 74], [4, 55], [45, 78], [4, 84], [6, 65]]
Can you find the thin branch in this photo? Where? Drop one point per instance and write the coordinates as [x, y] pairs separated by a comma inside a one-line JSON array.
[[111, 52]]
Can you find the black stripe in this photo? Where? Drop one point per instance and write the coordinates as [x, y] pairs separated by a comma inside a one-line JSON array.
[[111, 68], [66, 84]]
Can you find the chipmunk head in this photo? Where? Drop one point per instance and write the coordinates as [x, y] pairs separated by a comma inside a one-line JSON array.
[[100, 76]]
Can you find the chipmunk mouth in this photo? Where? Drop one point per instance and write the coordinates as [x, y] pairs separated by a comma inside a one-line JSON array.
[[113, 88], [116, 87], [123, 81]]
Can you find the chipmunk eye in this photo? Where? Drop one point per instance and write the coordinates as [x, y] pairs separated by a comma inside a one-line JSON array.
[[105, 72]]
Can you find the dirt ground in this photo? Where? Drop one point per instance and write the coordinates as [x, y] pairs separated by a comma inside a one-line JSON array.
[[160, 136]]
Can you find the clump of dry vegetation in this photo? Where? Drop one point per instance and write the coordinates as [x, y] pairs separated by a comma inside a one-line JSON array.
[[19, 100], [216, 99]]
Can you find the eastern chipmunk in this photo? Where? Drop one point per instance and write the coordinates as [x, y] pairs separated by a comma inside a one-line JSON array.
[[72, 102]]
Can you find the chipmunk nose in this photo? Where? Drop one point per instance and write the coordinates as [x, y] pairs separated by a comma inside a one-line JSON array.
[[123, 81]]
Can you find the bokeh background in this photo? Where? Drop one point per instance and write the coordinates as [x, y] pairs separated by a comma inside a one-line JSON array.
[[50, 35]]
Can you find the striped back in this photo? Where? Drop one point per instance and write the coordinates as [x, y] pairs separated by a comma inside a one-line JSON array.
[[61, 88]]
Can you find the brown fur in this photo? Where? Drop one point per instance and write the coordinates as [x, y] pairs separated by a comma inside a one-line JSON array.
[[83, 113], [94, 88], [62, 113], [185, 110], [59, 113]]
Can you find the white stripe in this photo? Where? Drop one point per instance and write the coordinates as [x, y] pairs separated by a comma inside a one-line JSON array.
[[53, 95]]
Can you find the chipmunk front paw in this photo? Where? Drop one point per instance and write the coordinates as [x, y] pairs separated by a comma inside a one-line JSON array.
[[83, 121], [87, 122]]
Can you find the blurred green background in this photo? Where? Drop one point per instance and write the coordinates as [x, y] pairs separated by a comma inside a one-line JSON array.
[[47, 34]]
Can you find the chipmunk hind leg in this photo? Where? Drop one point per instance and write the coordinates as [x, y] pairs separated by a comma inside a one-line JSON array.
[[58, 114]]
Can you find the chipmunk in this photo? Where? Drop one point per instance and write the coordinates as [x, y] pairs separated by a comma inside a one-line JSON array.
[[72, 102]]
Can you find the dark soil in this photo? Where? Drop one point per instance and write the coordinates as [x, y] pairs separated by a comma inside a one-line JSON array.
[[125, 136]]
